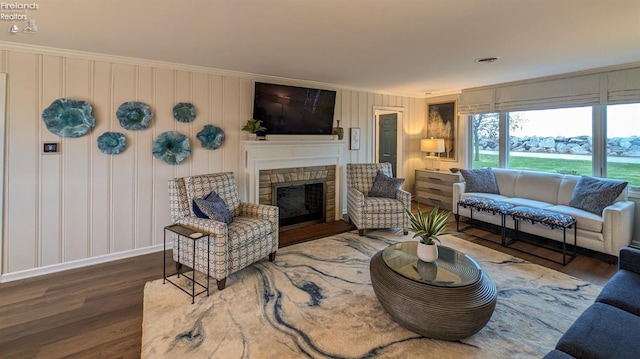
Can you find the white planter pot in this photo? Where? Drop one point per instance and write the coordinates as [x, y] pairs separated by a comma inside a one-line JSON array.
[[427, 253], [252, 136]]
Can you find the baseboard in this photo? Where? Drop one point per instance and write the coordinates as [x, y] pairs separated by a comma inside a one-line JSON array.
[[34, 272]]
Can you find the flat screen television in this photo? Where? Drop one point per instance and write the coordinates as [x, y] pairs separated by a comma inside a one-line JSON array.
[[290, 110]]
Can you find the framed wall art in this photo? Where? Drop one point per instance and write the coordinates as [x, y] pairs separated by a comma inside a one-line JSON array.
[[354, 136], [442, 123]]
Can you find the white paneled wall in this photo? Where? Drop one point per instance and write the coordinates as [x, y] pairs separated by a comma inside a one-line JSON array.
[[81, 204]]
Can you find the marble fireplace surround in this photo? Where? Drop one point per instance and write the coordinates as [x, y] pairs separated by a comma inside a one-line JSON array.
[[291, 160]]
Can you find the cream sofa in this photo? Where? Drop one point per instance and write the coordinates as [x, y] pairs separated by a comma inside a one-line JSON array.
[[606, 233]]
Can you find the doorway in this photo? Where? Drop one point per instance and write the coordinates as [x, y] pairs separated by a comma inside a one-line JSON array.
[[388, 137], [388, 140]]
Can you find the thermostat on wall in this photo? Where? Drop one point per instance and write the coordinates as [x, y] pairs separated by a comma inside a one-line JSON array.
[[50, 148]]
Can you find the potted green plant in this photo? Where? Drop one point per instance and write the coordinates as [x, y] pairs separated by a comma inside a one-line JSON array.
[[252, 126], [428, 227]]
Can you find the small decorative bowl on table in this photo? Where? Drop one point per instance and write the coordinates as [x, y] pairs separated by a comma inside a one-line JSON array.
[[454, 170]]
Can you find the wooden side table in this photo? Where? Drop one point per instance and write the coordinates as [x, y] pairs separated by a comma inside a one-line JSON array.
[[435, 188], [182, 231]]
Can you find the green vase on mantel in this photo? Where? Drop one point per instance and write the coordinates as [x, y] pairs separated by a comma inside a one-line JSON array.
[[338, 131]]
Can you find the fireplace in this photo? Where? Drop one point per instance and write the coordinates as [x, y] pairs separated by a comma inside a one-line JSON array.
[[274, 162], [300, 202], [304, 194]]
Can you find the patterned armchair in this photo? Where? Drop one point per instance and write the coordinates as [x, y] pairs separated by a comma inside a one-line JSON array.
[[374, 212], [251, 236]]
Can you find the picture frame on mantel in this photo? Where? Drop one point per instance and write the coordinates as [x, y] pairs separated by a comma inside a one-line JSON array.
[[442, 123], [354, 138]]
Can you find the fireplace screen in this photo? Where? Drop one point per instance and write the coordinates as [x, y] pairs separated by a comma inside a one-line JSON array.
[[300, 202]]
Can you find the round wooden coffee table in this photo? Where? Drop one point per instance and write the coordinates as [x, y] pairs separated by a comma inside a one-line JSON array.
[[449, 299]]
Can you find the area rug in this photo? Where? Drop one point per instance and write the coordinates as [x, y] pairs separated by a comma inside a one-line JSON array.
[[316, 301]]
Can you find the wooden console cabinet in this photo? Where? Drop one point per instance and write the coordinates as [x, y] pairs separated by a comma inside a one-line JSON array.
[[435, 188]]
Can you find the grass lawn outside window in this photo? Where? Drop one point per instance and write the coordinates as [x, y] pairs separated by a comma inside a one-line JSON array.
[[626, 171]]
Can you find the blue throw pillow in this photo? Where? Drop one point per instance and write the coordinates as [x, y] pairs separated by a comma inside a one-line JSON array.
[[385, 186], [480, 180], [212, 207], [594, 194]]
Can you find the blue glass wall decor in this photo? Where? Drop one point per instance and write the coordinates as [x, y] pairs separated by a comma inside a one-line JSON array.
[[211, 137], [184, 112], [112, 143], [69, 118], [171, 147], [134, 115]]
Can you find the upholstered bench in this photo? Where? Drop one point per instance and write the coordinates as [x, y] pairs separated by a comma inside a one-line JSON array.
[[484, 205], [548, 218], [551, 219]]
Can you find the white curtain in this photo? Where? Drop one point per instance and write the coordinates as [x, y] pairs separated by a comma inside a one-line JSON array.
[[623, 86], [610, 87], [476, 101]]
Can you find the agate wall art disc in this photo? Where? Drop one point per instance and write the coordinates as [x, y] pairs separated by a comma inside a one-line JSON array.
[[211, 137], [184, 112], [171, 147], [134, 115], [112, 143], [69, 118]]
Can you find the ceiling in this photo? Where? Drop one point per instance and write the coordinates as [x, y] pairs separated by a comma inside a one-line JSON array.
[[410, 47]]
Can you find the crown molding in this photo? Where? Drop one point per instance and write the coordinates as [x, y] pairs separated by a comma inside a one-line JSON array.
[[595, 71], [92, 56], [444, 95]]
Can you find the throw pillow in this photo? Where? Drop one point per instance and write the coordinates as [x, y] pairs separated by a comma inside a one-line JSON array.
[[212, 207], [385, 186], [481, 180], [594, 194]]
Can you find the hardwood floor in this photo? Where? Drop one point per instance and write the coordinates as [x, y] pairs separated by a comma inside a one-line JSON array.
[[588, 265], [96, 312], [303, 234]]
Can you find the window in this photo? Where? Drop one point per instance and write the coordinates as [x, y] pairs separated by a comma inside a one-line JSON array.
[[561, 140], [623, 143], [485, 144], [558, 140], [585, 123]]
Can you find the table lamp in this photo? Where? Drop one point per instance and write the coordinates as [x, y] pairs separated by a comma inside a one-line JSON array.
[[432, 146]]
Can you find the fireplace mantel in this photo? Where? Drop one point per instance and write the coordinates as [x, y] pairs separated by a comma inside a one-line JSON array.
[[266, 155]]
